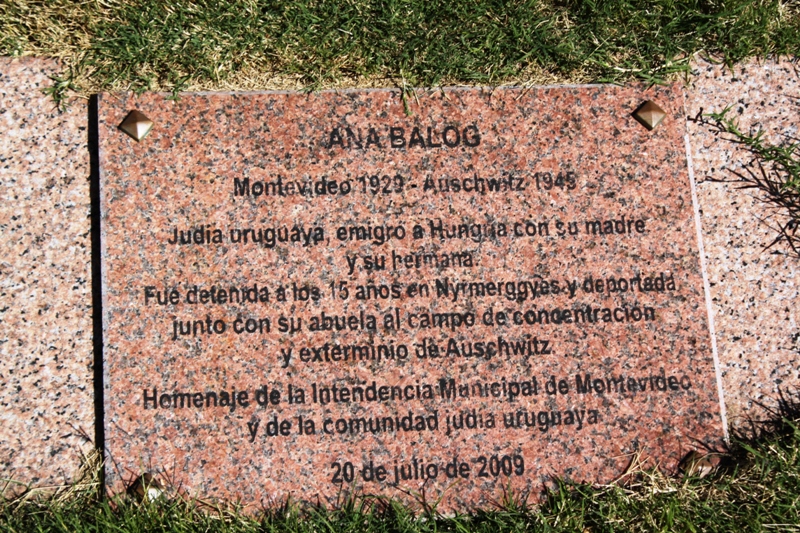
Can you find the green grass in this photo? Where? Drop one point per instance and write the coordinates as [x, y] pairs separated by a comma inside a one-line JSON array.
[[756, 488], [313, 44]]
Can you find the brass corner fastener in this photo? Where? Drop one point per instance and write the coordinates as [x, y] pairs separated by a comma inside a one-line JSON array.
[[137, 125], [649, 114]]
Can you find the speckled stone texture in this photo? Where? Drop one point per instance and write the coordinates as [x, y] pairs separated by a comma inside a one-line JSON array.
[[333, 371], [756, 292], [47, 402]]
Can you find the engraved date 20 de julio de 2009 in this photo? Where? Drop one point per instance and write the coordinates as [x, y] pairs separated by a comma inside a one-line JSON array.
[[416, 469]]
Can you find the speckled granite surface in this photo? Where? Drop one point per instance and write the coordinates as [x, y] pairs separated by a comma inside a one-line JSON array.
[[45, 316], [46, 399], [293, 366], [756, 293]]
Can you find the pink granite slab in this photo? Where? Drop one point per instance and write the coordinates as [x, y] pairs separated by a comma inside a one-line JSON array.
[[756, 292], [47, 401], [523, 359]]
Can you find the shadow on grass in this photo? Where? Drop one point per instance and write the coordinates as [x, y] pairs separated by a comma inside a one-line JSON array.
[[773, 170]]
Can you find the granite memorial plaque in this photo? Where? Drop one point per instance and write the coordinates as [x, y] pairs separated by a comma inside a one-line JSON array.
[[311, 294]]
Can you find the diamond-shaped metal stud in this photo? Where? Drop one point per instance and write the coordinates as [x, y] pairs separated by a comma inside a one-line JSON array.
[[146, 488], [649, 114], [699, 464], [137, 125]]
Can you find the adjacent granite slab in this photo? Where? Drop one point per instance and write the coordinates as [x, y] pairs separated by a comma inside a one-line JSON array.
[[47, 400], [756, 291], [311, 294]]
